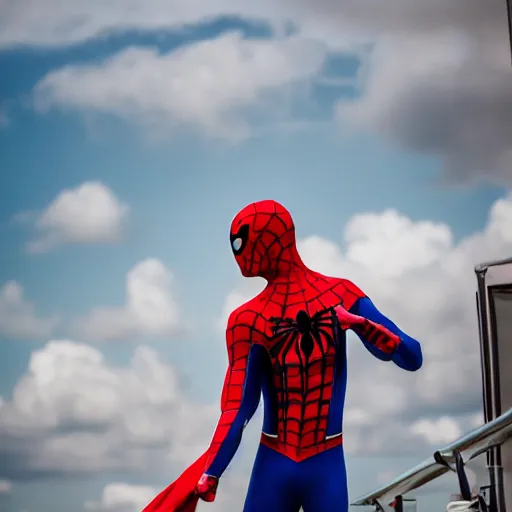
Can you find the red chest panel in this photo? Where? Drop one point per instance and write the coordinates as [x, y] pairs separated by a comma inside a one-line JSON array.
[[300, 339]]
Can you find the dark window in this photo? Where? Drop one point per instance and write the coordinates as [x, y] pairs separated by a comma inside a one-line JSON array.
[[501, 318], [501, 311]]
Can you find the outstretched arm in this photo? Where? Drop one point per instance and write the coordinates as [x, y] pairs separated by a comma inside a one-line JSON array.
[[384, 339], [240, 399], [378, 333]]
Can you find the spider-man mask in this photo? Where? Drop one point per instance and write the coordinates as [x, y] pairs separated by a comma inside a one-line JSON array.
[[263, 240]]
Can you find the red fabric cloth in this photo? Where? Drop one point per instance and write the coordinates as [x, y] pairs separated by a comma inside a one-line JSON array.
[[181, 495]]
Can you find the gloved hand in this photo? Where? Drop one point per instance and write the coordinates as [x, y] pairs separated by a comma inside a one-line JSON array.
[[347, 320], [206, 488], [372, 333]]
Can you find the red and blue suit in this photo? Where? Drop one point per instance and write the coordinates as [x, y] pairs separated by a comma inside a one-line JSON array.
[[289, 345]]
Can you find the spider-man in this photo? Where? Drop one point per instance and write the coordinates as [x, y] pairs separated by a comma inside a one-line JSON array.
[[289, 343]]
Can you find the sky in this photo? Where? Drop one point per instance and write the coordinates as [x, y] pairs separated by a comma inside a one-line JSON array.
[[132, 132]]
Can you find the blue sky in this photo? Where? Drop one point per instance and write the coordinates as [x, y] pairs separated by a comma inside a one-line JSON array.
[[182, 187]]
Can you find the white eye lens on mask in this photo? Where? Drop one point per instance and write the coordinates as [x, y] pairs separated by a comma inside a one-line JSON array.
[[237, 243]]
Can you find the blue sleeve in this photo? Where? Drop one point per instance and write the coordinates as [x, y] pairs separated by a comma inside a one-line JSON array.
[[251, 395], [408, 354]]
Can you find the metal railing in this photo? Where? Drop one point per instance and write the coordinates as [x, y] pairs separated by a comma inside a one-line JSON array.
[[466, 448]]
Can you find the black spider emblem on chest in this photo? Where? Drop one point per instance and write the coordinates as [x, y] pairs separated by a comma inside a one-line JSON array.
[[307, 329]]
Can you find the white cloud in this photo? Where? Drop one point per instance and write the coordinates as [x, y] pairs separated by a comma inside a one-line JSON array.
[[438, 432], [249, 288], [372, 19], [18, 318], [214, 85], [446, 94], [73, 412], [64, 22], [89, 213], [422, 279], [150, 308], [477, 420], [122, 497], [437, 80], [5, 486], [72, 21], [384, 239]]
